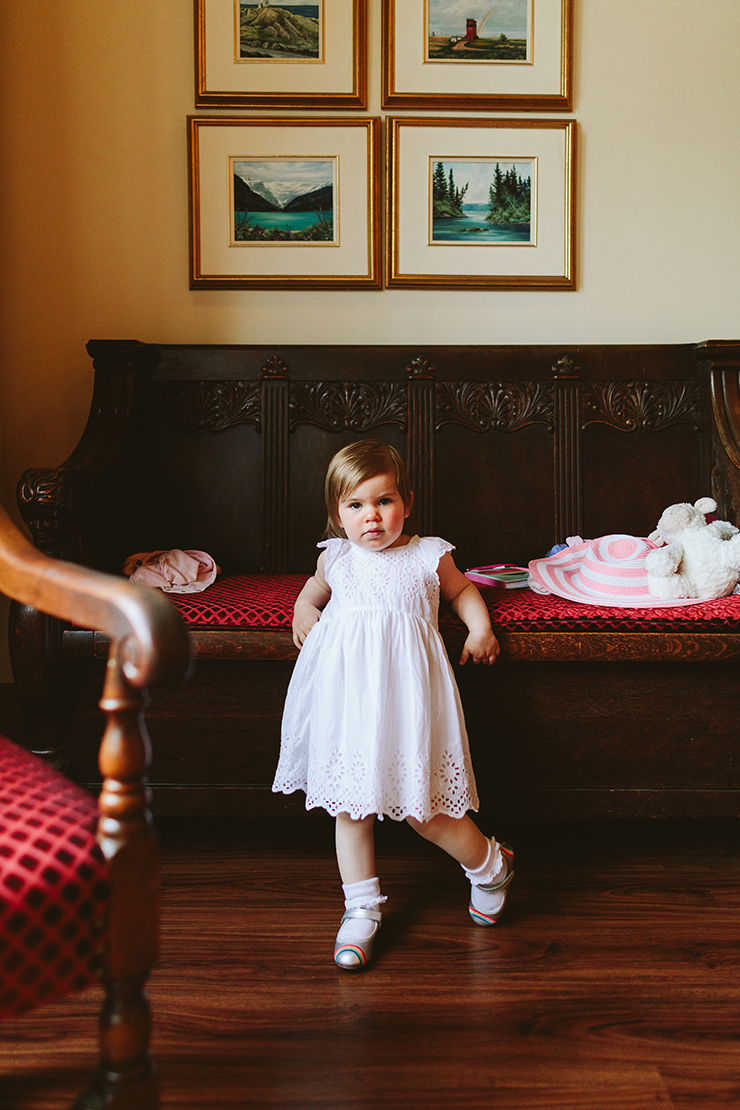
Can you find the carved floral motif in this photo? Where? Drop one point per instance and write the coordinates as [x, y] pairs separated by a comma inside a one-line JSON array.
[[275, 367], [649, 406], [210, 406], [45, 503], [495, 406], [348, 406], [565, 367], [420, 368]]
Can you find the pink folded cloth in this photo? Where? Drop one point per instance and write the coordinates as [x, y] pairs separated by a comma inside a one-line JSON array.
[[174, 572]]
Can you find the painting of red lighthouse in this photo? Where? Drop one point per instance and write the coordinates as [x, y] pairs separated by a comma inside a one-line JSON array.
[[479, 31]]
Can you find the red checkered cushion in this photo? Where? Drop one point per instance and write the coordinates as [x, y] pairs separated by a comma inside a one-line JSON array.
[[53, 883], [266, 601], [244, 600], [526, 611]]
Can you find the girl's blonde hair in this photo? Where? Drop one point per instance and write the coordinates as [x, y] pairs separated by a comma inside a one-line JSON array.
[[353, 465]]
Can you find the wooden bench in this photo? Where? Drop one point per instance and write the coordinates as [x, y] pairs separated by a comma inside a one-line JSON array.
[[510, 449]]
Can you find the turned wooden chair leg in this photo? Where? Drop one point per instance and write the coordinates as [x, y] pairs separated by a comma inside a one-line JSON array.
[[126, 1078]]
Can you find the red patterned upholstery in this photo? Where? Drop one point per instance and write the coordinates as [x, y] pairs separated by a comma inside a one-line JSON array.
[[526, 611], [246, 600], [266, 601], [53, 883]]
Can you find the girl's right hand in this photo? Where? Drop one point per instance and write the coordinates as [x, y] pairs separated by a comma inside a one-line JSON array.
[[305, 616]]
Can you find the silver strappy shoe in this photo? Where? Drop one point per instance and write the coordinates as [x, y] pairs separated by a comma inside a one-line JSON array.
[[478, 916], [355, 955]]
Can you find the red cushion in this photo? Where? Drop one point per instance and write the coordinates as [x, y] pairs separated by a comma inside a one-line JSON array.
[[526, 611], [53, 883], [266, 601], [246, 600]]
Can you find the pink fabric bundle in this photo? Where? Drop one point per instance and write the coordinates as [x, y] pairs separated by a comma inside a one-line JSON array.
[[174, 572]]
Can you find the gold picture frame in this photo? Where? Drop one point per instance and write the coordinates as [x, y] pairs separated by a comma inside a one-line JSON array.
[[456, 75], [481, 203], [333, 77], [284, 203]]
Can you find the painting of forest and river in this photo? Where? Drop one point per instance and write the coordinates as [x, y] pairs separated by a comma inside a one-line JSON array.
[[481, 202], [284, 201]]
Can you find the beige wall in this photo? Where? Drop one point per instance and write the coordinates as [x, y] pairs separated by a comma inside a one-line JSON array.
[[93, 208]]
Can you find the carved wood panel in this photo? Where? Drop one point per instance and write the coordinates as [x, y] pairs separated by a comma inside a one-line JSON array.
[[480, 406], [494, 406], [648, 406], [209, 406], [348, 406]]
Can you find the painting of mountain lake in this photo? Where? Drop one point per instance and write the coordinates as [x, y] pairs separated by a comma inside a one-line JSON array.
[[486, 201], [284, 201], [267, 32], [478, 30]]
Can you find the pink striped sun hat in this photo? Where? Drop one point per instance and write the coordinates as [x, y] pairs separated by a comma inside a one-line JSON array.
[[607, 571]]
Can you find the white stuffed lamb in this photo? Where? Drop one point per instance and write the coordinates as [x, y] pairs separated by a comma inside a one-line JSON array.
[[698, 560]]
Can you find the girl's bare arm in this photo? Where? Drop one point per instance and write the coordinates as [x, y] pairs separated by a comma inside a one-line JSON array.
[[311, 600], [481, 645]]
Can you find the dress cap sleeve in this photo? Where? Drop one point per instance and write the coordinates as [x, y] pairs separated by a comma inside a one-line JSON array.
[[433, 548], [334, 548]]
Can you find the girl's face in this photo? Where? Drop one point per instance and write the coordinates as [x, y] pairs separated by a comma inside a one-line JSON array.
[[373, 514]]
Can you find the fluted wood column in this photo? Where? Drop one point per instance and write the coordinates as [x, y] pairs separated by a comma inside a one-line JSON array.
[[421, 443], [275, 457], [567, 448]]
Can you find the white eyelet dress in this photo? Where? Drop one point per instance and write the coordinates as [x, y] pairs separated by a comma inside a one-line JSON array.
[[373, 721]]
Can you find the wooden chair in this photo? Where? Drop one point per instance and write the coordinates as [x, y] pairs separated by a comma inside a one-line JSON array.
[[79, 883]]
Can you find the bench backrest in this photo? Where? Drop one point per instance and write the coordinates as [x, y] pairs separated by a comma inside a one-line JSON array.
[[510, 449]]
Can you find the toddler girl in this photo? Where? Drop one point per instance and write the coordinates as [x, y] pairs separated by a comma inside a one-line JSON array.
[[373, 723]]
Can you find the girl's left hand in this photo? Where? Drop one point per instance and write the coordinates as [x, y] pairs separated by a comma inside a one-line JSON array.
[[481, 647]]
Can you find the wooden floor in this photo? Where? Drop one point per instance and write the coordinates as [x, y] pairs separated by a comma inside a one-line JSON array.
[[612, 983]]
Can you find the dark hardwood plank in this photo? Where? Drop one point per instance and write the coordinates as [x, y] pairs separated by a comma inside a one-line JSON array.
[[611, 984]]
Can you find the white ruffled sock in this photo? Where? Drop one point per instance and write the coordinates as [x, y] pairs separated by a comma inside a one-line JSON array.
[[485, 900], [365, 895]]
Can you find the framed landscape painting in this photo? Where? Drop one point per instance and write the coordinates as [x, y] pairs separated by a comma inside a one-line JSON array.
[[279, 32], [265, 54], [481, 204], [483, 201], [478, 54], [501, 34], [284, 203]]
